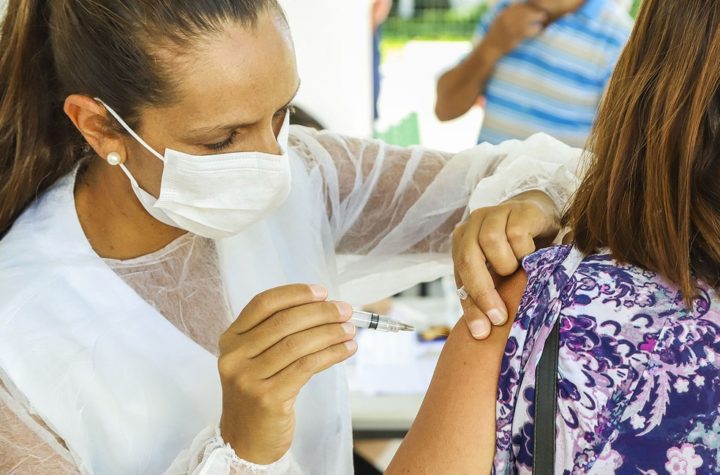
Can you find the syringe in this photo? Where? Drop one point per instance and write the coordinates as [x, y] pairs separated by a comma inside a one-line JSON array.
[[374, 321]]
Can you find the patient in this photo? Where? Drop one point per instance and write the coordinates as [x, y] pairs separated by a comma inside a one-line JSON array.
[[636, 294]]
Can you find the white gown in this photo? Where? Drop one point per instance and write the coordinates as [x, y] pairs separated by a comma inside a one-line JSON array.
[[127, 392]]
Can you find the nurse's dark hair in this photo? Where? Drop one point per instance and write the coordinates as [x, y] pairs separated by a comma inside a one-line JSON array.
[[652, 192], [102, 48]]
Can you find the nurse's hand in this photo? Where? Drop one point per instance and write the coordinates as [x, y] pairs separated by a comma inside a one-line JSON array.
[[497, 238], [280, 340]]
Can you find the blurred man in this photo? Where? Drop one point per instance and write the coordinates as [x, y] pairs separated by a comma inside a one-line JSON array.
[[542, 66]]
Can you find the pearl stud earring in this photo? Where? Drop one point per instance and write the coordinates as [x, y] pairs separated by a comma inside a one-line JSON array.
[[114, 159]]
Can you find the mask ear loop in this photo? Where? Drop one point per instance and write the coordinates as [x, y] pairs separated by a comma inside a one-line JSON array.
[[114, 159], [284, 134], [130, 131], [122, 166]]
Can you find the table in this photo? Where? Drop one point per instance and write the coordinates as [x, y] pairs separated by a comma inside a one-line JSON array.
[[390, 374]]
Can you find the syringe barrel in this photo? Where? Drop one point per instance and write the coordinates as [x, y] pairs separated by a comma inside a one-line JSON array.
[[373, 321]]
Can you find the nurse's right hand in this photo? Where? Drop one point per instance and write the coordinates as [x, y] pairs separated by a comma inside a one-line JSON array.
[[281, 339]]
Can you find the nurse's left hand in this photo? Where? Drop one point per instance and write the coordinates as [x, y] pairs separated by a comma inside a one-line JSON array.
[[496, 239]]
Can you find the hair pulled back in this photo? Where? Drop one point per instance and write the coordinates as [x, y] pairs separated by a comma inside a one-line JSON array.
[[102, 48]]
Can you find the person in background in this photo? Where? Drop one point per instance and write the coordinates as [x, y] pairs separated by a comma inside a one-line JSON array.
[[542, 66], [635, 300]]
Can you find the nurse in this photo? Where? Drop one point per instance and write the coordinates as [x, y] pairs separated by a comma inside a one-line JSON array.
[[177, 264]]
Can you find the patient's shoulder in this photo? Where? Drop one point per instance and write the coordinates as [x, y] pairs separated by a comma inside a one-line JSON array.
[[545, 258], [548, 272], [564, 277]]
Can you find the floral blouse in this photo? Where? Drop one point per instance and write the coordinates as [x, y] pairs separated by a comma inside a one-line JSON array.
[[638, 376]]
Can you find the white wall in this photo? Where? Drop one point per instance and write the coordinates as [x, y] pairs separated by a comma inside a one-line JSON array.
[[334, 49], [333, 42]]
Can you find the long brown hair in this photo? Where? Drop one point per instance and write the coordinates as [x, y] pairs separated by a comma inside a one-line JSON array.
[[103, 48], [652, 192]]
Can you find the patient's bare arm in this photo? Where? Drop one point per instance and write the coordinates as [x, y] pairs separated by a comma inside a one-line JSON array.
[[454, 431]]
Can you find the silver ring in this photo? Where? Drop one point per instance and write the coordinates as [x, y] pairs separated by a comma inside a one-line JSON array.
[[462, 293]]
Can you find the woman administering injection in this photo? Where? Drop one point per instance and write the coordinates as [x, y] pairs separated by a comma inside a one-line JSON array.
[[157, 215]]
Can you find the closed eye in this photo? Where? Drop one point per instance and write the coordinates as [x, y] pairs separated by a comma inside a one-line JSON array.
[[228, 142], [222, 145]]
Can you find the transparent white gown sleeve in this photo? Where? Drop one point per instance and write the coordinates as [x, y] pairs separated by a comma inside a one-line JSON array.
[[392, 210]]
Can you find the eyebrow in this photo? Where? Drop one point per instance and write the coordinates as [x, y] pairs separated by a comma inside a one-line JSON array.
[[201, 131]]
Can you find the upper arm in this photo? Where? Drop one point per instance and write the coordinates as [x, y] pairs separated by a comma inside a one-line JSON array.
[[454, 431], [488, 18]]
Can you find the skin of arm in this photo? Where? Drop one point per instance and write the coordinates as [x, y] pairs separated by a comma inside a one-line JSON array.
[[380, 12], [460, 87], [454, 431]]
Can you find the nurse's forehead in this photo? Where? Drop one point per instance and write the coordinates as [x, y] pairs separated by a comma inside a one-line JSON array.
[[239, 74]]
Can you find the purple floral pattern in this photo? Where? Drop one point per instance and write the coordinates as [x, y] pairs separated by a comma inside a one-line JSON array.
[[637, 376]]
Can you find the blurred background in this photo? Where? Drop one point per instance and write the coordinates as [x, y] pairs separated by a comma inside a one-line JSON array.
[[417, 42]]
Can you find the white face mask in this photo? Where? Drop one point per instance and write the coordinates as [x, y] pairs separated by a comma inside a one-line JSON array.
[[216, 196]]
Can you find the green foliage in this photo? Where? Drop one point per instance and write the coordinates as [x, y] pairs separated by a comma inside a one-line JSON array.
[[404, 134], [434, 24]]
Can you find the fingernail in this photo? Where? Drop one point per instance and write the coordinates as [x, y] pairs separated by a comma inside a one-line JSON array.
[[348, 328], [344, 308], [496, 316], [480, 328], [351, 345], [318, 291]]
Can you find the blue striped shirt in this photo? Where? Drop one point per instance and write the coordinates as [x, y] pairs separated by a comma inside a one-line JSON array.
[[553, 83]]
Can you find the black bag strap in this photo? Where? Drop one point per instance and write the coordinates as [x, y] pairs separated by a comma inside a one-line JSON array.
[[546, 405]]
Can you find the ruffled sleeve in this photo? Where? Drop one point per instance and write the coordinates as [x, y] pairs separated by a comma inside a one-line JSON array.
[[209, 454], [538, 163]]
